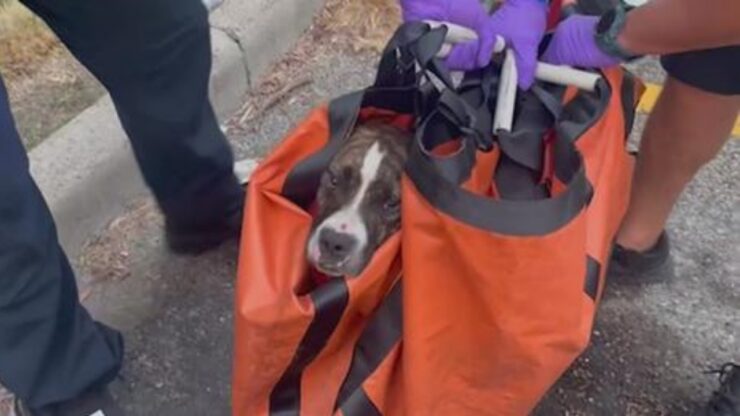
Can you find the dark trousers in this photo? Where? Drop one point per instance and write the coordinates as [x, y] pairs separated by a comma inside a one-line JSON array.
[[154, 58]]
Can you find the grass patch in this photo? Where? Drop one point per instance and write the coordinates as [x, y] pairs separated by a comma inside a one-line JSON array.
[[367, 24], [25, 40]]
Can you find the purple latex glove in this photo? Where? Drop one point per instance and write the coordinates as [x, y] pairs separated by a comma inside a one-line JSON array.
[[574, 44], [522, 24], [467, 13]]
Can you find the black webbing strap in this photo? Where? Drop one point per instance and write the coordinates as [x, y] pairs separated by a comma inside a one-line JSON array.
[[381, 334], [438, 179], [329, 300]]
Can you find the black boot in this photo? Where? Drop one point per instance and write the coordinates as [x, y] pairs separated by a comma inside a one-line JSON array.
[[197, 237], [641, 267], [194, 240]]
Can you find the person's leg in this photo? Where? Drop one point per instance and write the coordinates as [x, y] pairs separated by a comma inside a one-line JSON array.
[[685, 131], [50, 348], [691, 121], [154, 57]]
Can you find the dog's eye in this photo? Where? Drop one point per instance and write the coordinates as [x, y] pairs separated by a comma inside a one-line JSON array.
[[392, 205], [333, 179]]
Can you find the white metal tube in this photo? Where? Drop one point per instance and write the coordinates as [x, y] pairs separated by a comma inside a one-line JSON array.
[[455, 33], [565, 75], [507, 88], [460, 34], [556, 74]]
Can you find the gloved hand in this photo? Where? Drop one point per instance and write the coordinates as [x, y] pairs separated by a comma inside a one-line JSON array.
[[467, 13], [574, 44], [521, 23]]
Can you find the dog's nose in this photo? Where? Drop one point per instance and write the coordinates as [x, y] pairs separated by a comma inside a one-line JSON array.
[[336, 245]]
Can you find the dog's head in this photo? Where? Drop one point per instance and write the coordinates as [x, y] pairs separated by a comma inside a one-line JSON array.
[[359, 200]]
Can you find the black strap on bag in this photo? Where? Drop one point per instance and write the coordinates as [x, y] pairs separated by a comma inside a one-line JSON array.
[[381, 334], [520, 169], [438, 178], [453, 118], [413, 44], [477, 90], [469, 107]]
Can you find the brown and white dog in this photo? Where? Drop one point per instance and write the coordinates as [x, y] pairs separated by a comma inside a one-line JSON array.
[[359, 200]]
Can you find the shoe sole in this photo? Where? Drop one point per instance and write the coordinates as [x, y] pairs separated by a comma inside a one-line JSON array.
[[661, 273], [196, 245]]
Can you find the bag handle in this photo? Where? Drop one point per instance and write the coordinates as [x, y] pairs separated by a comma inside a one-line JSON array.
[[431, 177], [555, 74], [438, 178], [539, 107], [525, 167], [411, 54], [539, 111]]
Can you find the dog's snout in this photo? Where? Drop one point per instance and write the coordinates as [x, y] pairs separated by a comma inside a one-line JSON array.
[[336, 245]]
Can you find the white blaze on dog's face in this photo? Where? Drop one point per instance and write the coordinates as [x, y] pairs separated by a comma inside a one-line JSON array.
[[359, 200], [348, 220]]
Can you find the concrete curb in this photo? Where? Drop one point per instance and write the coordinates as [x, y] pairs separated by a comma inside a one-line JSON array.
[[86, 169]]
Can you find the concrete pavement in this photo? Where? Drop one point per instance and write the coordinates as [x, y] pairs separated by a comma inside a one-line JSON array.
[[86, 169]]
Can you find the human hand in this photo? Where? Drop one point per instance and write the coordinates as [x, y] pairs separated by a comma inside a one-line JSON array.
[[467, 13], [574, 44], [521, 23]]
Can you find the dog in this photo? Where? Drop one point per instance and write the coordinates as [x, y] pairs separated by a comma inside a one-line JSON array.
[[359, 200]]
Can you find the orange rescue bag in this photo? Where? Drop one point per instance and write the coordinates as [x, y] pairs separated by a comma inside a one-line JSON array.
[[488, 292]]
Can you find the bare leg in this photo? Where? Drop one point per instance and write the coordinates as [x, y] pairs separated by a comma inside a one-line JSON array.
[[686, 130]]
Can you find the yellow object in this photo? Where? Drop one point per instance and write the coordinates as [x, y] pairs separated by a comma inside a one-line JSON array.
[[652, 92]]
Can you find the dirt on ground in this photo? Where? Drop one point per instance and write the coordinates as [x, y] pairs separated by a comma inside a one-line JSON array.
[[107, 258], [46, 86]]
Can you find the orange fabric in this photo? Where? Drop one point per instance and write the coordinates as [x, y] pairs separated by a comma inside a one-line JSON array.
[[490, 321], [382, 387], [273, 310], [490, 315], [481, 179]]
